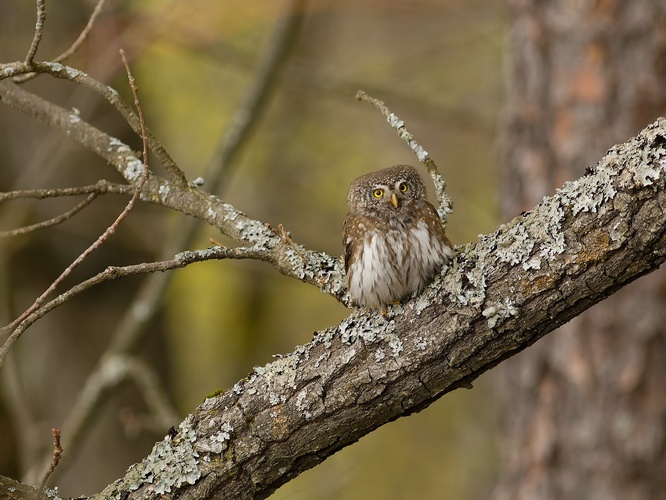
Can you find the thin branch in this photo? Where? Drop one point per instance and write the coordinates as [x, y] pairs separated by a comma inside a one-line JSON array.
[[57, 452], [444, 200], [99, 241], [16, 328], [84, 34], [50, 222], [73, 48], [40, 300], [58, 70], [259, 91], [113, 371], [100, 187], [322, 270], [161, 410], [39, 28], [94, 246], [142, 122], [132, 326]]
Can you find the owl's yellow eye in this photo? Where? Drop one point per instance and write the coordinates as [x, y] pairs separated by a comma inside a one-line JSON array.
[[403, 188], [378, 193]]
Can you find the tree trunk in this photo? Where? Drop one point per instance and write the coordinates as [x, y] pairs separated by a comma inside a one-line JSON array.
[[585, 407]]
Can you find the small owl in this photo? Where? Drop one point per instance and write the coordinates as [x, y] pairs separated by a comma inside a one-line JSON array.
[[393, 239]]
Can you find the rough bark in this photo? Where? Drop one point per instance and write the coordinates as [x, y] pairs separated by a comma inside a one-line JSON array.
[[10, 489], [585, 410], [500, 296]]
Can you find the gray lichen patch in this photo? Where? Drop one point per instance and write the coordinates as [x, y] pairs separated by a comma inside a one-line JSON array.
[[369, 327], [309, 401], [466, 283], [588, 193], [171, 464], [279, 377], [514, 244], [216, 442], [533, 238], [164, 190], [544, 230], [499, 311], [255, 233], [51, 493], [326, 271], [230, 214], [648, 166], [124, 158]]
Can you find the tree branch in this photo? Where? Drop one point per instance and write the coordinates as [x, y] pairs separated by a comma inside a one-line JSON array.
[[50, 222], [39, 29], [318, 268], [131, 327], [100, 187], [445, 205], [41, 13], [288, 258], [57, 70], [140, 182], [84, 33], [501, 294]]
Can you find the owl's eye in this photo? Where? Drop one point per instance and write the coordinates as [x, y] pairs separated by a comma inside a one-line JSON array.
[[378, 193], [403, 187]]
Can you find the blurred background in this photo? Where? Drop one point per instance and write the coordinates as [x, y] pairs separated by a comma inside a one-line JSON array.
[[436, 63]]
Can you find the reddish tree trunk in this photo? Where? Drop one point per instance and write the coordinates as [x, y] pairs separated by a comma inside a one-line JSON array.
[[585, 409]]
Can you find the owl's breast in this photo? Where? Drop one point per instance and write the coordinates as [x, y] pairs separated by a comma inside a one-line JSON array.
[[392, 262]]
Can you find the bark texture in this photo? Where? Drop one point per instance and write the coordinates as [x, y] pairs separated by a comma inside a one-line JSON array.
[[585, 407]]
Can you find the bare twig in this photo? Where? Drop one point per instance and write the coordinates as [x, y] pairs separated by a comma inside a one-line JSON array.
[[161, 410], [51, 222], [112, 273], [58, 70], [57, 452], [100, 240], [142, 121], [323, 271], [72, 49], [100, 187], [259, 91], [39, 28], [444, 201], [84, 34], [131, 328], [40, 300]]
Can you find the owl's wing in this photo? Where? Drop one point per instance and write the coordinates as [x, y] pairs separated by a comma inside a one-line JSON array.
[[435, 224], [348, 227]]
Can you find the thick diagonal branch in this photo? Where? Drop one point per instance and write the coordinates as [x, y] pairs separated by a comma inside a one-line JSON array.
[[501, 294]]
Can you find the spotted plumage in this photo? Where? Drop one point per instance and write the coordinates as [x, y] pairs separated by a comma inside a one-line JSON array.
[[393, 239]]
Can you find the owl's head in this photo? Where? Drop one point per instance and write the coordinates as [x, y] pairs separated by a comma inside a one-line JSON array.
[[391, 189]]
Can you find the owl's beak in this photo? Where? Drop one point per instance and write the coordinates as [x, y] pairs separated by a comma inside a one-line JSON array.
[[394, 200]]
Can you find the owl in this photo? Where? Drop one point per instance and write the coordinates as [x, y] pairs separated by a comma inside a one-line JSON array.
[[393, 239]]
